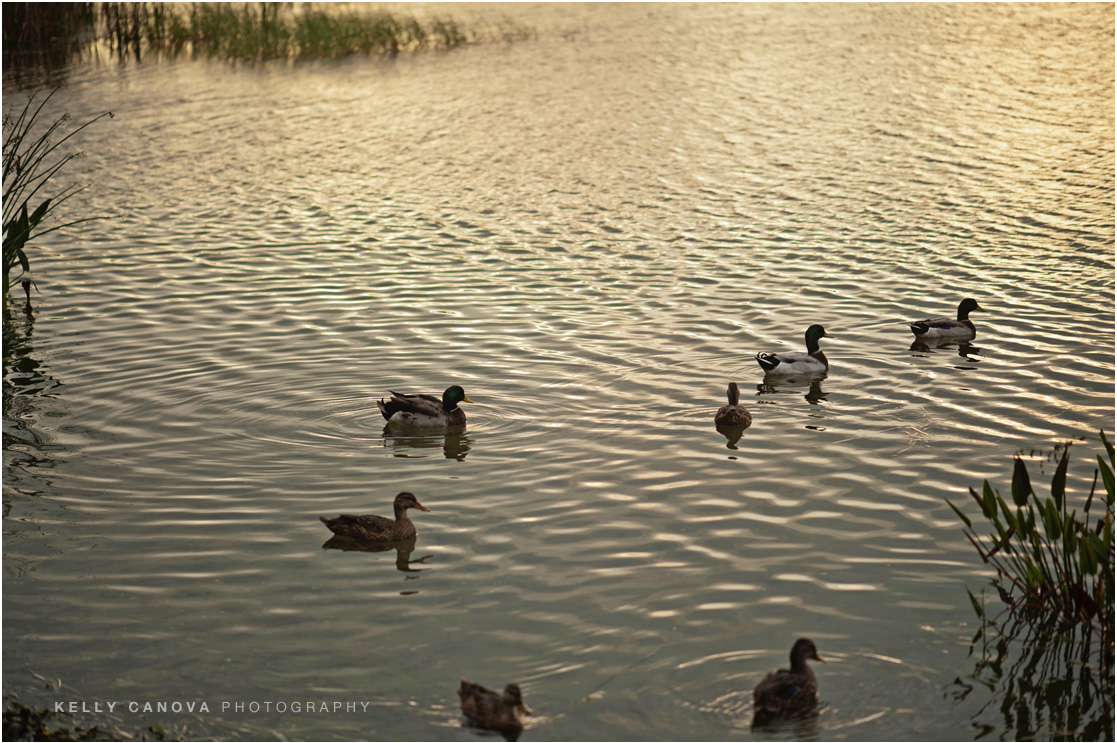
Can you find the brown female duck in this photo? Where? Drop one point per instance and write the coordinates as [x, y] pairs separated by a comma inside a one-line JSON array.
[[378, 528], [733, 414], [789, 689], [486, 708]]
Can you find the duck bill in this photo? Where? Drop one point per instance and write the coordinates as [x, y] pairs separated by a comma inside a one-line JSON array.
[[979, 308], [819, 658], [465, 398], [421, 507], [524, 708]]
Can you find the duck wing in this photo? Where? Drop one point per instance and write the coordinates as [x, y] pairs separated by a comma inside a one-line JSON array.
[[426, 406], [792, 363], [937, 326], [359, 527]]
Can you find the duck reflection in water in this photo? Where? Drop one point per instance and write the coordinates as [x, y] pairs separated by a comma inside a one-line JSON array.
[[403, 549], [813, 383], [453, 445], [965, 348]]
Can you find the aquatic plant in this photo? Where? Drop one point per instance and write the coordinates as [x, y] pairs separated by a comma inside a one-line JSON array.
[[1054, 573], [29, 165], [1050, 559], [28, 723]]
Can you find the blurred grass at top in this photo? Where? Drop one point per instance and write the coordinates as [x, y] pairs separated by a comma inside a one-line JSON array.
[[60, 33]]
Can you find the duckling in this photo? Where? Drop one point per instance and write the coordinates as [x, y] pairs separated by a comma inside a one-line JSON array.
[[791, 689], [425, 411], [485, 708], [733, 414], [378, 528], [943, 327], [811, 362]]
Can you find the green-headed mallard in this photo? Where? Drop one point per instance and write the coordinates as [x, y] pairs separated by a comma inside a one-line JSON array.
[[733, 414], [811, 362], [943, 327], [425, 411], [378, 528], [792, 688], [486, 708]]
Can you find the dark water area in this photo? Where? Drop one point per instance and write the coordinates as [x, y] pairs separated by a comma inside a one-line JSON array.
[[592, 231]]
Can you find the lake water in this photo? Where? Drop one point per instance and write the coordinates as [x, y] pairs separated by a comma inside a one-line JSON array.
[[592, 231]]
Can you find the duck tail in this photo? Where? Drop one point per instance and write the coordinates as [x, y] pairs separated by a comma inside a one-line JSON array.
[[767, 361]]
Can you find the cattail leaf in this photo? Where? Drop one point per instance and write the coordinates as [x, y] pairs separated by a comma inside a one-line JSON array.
[[965, 519], [988, 501], [1050, 513], [1108, 446], [39, 213], [1021, 482], [977, 606], [1106, 477], [1059, 480]]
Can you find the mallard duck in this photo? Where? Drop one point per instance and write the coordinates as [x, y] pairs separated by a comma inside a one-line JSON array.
[[811, 362], [789, 689], [378, 528], [733, 414], [486, 708], [944, 327], [425, 411]]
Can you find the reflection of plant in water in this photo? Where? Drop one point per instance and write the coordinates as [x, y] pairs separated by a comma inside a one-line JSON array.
[[1042, 679], [1055, 575]]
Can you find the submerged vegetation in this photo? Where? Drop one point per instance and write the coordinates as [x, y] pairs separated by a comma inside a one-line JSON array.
[[28, 723], [239, 31], [1052, 646], [31, 160]]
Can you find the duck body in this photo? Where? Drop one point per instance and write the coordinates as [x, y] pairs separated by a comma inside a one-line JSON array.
[[378, 528], [487, 708], [425, 411], [789, 689], [733, 415], [812, 362], [961, 328]]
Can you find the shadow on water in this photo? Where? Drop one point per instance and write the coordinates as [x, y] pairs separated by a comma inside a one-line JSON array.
[[1038, 679], [403, 549]]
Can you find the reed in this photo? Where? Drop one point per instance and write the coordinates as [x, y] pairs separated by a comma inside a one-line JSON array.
[[1054, 564], [261, 31], [30, 161]]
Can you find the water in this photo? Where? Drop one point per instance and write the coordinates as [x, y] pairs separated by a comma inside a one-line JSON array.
[[592, 232]]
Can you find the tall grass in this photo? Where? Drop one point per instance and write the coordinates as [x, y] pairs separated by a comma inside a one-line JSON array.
[[31, 160]]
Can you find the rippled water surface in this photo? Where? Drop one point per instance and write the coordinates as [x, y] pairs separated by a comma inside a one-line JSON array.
[[592, 231]]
